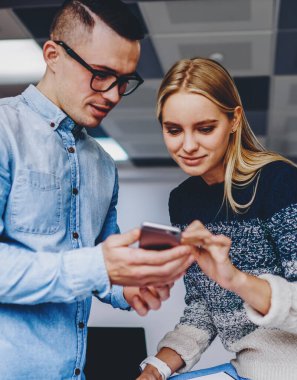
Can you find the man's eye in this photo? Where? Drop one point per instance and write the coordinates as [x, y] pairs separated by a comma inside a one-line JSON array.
[[101, 75]]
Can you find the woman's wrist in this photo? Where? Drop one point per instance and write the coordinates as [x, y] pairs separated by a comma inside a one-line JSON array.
[[151, 370], [237, 281], [230, 277], [156, 366]]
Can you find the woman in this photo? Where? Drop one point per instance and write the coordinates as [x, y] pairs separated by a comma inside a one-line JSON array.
[[246, 294]]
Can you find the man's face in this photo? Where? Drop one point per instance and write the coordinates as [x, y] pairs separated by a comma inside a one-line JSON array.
[[103, 49]]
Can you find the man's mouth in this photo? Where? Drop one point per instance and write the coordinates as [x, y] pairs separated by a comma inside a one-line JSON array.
[[100, 110]]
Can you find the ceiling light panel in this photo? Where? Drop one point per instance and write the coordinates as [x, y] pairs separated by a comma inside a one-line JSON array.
[[21, 61]]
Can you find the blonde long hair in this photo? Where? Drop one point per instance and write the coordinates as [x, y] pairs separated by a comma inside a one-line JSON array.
[[245, 156]]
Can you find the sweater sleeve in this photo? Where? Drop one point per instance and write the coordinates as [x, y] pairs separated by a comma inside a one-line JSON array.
[[196, 329], [281, 226]]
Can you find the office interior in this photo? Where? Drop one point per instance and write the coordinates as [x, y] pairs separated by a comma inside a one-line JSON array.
[[257, 42]]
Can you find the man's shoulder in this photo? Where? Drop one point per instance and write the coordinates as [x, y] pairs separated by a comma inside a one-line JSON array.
[[10, 107], [10, 102]]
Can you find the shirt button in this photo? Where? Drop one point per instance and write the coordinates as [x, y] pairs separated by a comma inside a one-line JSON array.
[[95, 292], [75, 235], [74, 191], [71, 149], [52, 124], [81, 325], [77, 371]]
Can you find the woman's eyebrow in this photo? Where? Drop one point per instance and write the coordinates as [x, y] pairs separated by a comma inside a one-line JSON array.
[[205, 122], [198, 123]]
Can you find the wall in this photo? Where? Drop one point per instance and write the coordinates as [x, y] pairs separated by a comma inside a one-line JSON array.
[[144, 196]]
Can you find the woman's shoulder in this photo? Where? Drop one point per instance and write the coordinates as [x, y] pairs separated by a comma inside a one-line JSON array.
[[279, 175], [279, 168], [278, 185]]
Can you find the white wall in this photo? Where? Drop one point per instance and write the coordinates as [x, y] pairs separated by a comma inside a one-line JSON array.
[[144, 196]]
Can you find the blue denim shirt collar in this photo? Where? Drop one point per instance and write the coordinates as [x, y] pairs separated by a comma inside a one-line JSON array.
[[55, 117]]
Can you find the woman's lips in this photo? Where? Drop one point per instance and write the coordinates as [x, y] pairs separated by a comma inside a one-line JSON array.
[[192, 161]]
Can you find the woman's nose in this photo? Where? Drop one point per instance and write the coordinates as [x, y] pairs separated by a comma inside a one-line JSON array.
[[190, 144]]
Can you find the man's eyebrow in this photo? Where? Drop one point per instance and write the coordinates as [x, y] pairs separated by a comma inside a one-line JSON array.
[[108, 69], [105, 68]]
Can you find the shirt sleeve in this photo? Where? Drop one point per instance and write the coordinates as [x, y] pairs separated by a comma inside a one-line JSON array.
[[281, 226], [196, 329], [115, 296]]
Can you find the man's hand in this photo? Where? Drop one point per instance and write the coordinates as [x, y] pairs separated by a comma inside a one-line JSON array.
[[132, 266], [144, 299]]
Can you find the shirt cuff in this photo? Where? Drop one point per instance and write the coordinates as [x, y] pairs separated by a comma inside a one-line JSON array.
[[87, 272], [118, 299], [281, 301]]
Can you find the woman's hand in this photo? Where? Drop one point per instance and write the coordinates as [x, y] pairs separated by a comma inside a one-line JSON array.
[[212, 256], [211, 253], [150, 373]]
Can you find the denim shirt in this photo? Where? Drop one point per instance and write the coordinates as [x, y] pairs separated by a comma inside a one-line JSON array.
[[58, 192]]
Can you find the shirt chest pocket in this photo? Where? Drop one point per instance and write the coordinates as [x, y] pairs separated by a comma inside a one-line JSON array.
[[36, 202]]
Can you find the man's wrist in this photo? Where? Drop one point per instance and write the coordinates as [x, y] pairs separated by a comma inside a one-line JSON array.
[[163, 369]]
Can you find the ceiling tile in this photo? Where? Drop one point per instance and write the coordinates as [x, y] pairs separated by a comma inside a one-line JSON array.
[[286, 53], [288, 14], [149, 66], [11, 27], [37, 20], [254, 92], [246, 54], [207, 16]]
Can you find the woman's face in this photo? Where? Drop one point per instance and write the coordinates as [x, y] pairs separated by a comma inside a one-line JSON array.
[[197, 134]]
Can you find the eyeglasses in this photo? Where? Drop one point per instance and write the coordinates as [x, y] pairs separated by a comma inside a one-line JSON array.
[[103, 81]]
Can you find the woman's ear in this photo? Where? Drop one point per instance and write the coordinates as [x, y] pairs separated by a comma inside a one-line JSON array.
[[236, 119], [51, 54]]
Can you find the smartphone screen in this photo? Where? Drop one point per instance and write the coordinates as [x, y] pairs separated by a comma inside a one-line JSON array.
[[158, 237]]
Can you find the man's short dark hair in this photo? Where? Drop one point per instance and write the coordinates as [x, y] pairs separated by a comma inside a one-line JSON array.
[[114, 13]]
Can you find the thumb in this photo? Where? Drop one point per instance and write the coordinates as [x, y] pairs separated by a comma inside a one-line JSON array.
[[124, 240]]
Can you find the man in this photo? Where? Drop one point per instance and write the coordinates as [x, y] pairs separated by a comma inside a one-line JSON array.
[[58, 192]]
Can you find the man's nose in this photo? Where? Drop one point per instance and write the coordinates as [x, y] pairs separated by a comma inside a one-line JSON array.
[[112, 95]]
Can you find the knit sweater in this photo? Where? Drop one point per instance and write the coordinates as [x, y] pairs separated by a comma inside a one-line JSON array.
[[264, 244]]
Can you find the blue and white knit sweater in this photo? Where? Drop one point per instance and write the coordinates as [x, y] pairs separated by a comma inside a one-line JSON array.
[[264, 243]]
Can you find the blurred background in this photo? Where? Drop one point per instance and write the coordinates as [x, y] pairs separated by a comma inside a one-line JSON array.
[[256, 40]]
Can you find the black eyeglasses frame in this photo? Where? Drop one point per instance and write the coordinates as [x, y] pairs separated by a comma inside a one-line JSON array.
[[120, 79]]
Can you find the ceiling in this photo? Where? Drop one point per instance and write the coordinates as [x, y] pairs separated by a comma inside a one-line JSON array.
[[255, 39]]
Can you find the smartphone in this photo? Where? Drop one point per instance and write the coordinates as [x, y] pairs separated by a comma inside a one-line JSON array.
[[158, 236]]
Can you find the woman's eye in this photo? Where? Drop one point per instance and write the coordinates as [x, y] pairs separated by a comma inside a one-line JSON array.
[[206, 130], [173, 131]]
